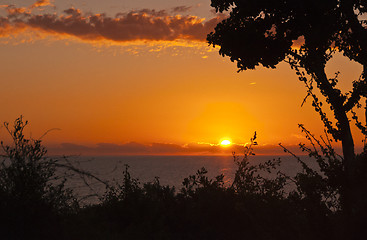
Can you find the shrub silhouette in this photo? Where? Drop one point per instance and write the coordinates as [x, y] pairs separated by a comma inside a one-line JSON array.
[[318, 192], [32, 196], [35, 204], [254, 206]]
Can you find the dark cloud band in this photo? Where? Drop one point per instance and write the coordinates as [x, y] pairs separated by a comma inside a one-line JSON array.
[[146, 24]]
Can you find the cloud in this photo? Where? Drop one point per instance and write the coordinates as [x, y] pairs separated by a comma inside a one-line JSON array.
[[17, 12], [181, 9], [145, 24], [7, 27], [14, 12], [133, 148], [41, 3]]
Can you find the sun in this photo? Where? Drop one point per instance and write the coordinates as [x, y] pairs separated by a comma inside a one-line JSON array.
[[225, 142]]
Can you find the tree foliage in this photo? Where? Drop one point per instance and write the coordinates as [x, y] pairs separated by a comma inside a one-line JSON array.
[[264, 32], [306, 34]]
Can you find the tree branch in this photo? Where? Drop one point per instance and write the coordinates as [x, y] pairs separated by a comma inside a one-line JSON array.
[[359, 90]]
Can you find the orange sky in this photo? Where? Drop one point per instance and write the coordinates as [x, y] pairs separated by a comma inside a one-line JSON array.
[[155, 93]]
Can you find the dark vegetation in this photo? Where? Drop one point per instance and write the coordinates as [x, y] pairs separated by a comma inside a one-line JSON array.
[[306, 34], [325, 203], [35, 204]]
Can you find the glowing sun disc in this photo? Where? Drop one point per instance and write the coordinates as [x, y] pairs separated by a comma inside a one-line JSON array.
[[225, 142]]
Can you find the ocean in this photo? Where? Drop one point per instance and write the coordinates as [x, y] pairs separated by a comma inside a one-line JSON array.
[[171, 170]]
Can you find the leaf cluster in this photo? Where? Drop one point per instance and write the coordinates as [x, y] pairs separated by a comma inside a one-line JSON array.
[[263, 32]]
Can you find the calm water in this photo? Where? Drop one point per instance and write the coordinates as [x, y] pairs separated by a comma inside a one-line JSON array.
[[171, 170]]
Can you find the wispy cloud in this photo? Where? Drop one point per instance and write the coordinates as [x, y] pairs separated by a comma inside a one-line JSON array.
[[181, 9], [146, 24], [134, 148], [14, 12], [41, 3]]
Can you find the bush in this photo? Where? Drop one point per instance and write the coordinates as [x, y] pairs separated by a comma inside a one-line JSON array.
[[33, 197], [35, 204]]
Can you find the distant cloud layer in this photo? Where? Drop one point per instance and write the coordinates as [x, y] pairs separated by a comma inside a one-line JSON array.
[[145, 24], [134, 148], [181, 9]]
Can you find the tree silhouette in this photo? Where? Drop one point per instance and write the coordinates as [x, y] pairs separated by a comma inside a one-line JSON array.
[[306, 34]]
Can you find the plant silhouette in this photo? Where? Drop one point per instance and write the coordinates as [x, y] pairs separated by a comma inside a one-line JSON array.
[[35, 204], [32, 196], [34, 199], [306, 34]]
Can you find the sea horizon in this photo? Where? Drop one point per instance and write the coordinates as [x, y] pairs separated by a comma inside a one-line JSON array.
[[170, 170]]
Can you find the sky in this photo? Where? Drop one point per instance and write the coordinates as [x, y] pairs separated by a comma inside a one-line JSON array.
[[120, 77]]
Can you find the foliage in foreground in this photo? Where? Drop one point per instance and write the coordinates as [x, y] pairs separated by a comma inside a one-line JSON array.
[[32, 196], [35, 204], [307, 34]]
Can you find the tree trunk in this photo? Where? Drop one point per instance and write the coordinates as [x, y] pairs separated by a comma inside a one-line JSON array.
[[336, 100]]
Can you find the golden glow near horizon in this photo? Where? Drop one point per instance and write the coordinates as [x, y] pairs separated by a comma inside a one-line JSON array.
[[225, 142], [133, 94]]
